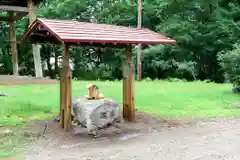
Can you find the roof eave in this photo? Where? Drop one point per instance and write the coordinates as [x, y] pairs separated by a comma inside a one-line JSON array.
[[25, 36], [159, 42], [30, 30]]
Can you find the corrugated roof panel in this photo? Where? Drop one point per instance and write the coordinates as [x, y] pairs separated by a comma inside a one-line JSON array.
[[74, 31]]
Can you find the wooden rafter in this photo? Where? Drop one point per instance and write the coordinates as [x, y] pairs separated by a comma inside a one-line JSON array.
[[41, 39], [14, 8], [16, 17], [97, 45]]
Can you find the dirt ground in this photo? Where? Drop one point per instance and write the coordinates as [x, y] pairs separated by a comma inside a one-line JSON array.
[[148, 138], [23, 80]]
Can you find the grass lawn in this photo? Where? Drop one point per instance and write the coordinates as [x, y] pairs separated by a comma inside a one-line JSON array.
[[166, 99]]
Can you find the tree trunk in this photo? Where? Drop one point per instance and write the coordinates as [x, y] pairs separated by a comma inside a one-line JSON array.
[[56, 68], [50, 71], [36, 47]]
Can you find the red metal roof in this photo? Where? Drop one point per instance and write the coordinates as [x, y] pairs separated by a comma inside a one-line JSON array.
[[76, 32]]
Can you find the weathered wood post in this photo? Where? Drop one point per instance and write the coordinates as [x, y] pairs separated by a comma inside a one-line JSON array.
[[128, 87], [66, 92], [139, 56], [13, 43], [36, 48]]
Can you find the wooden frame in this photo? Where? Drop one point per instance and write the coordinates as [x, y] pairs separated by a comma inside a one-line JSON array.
[[13, 8], [45, 33], [148, 37], [16, 17], [21, 11], [66, 90]]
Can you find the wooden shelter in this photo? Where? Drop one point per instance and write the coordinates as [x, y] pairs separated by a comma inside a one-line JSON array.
[[17, 9], [73, 33]]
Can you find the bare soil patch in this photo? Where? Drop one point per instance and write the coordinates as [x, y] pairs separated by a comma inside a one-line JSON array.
[[24, 80], [44, 133], [148, 138], [144, 123]]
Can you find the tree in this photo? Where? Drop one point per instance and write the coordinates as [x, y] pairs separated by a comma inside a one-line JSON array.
[[203, 30], [230, 61]]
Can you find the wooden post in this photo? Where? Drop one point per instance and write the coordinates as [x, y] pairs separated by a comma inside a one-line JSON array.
[[125, 96], [128, 88], [13, 43], [62, 88], [139, 56], [36, 47], [66, 92]]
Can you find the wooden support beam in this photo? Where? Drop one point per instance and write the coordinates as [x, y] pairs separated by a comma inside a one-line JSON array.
[[125, 96], [36, 47], [17, 16], [97, 45], [68, 105], [13, 8], [128, 87], [13, 43], [62, 88], [66, 92]]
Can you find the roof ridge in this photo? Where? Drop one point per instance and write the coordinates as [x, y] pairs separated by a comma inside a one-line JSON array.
[[121, 26]]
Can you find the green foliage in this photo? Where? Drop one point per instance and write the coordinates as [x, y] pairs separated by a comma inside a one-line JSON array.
[[202, 29], [230, 62]]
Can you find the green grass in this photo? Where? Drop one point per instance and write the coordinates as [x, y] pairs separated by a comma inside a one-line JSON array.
[[166, 99]]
